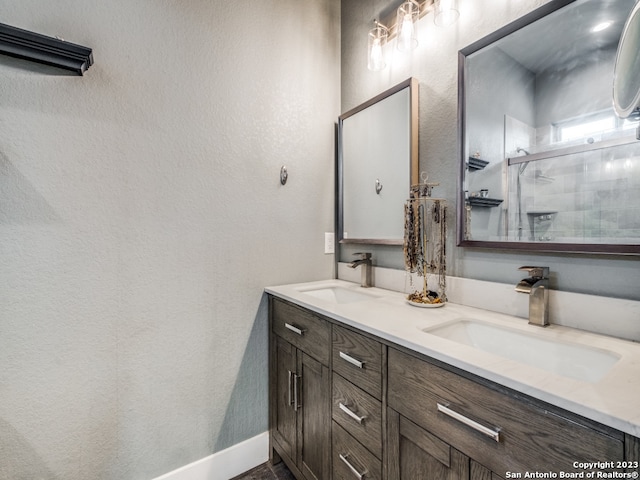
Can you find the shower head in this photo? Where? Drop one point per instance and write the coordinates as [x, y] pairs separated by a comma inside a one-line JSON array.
[[523, 166]]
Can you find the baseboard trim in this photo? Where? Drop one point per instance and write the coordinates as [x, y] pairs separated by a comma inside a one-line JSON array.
[[227, 463]]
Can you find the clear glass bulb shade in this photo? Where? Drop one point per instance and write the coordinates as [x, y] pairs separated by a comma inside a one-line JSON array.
[[446, 12], [375, 52], [407, 23]]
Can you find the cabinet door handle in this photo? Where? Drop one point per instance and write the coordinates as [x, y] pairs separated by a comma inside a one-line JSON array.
[[296, 387], [353, 469], [351, 413], [294, 329], [489, 432], [351, 360], [290, 393]]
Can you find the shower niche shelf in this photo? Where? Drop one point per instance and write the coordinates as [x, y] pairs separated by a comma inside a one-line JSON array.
[[542, 213], [484, 201], [475, 163]]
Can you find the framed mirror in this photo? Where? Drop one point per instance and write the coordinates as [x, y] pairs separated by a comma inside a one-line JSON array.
[[377, 164], [546, 164], [626, 76]]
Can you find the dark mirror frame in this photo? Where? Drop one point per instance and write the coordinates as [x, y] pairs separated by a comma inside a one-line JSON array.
[[412, 85], [620, 249]]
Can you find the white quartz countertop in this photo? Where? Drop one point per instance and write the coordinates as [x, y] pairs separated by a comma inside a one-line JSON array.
[[613, 400]]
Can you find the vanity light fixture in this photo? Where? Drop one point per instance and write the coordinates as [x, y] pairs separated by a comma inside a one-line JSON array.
[[377, 39], [407, 22], [446, 12], [403, 24]]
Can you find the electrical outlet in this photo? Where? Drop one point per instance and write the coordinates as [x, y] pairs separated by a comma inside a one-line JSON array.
[[329, 242]]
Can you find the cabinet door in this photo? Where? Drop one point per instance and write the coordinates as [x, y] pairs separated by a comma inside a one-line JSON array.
[[415, 454], [480, 472], [314, 423], [283, 413]]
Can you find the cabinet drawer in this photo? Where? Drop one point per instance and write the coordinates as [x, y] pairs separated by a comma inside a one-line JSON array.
[[358, 359], [358, 413], [351, 459], [305, 331], [530, 437]]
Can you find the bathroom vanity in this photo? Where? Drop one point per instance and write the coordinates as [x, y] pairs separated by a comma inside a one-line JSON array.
[[359, 389]]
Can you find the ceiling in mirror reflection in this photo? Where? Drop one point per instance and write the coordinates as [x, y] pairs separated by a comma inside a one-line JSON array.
[[536, 46]]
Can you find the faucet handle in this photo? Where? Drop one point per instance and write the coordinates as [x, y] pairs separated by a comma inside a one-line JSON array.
[[536, 272], [364, 255]]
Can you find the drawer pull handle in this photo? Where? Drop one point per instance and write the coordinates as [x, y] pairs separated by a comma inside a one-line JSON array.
[[351, 413], [495, 435], [294, 329], [351, 360], [358, 475]]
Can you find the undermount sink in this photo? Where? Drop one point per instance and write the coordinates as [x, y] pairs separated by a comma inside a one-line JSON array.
[[571, 360], [336, 294]]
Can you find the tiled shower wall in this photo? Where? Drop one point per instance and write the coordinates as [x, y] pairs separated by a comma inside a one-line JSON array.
[[582, 196]]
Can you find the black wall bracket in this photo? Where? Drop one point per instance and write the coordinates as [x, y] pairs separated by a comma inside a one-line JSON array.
[[42, 49]]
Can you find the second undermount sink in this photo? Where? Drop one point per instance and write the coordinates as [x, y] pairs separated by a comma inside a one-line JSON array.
[[572, 360], [336, 294]]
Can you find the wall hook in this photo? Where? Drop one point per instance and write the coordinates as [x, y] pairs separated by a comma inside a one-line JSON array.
[[378, 186], [284, 175]]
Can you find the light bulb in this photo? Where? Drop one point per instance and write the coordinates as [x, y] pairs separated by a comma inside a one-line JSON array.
[[376, 60], [406, 20], [377, 39], [406, 33], [446, 12]]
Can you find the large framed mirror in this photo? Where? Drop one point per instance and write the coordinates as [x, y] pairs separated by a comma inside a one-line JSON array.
[[546, 164], [377, 164]]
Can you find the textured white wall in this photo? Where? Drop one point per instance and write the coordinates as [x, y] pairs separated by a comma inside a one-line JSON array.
[[435, 65], [141, 215]]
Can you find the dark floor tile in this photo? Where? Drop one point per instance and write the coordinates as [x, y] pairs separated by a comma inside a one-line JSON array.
[[262, 472], [281, 472], [267, 472]]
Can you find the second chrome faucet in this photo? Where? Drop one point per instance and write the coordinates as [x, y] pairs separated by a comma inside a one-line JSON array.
[[536, 285], [365, 262]]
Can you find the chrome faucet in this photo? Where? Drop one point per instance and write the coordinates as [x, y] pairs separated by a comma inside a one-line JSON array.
[[537, 286], [365, 261]]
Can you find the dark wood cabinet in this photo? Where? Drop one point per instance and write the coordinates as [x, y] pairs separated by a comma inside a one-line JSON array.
[[351, 460], [346, 405], [300, 389], [282, 410], [358, 405], [358, 359], [314, 425], [416, 454], [358, 413], [499, 431]]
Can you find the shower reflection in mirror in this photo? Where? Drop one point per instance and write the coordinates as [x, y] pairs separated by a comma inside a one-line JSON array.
[[540, 133]]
